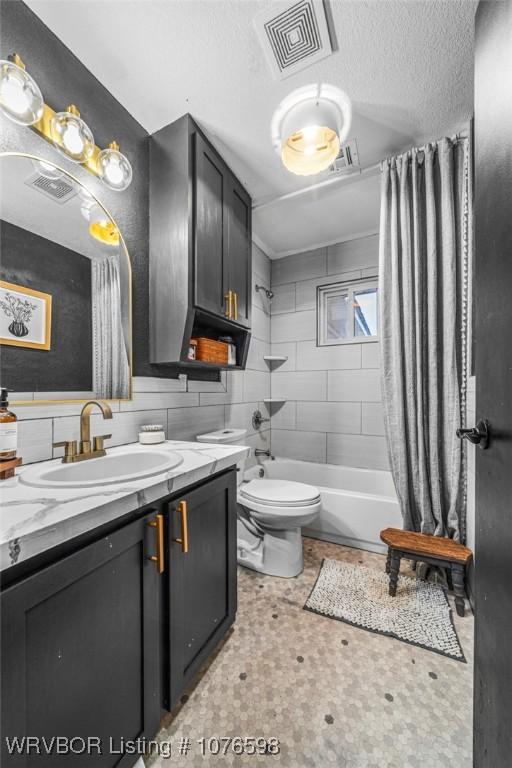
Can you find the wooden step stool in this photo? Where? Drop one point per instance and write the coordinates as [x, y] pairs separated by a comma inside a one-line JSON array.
[[434, 550]]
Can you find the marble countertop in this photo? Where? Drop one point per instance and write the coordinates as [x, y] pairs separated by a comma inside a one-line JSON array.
[[34, 519]]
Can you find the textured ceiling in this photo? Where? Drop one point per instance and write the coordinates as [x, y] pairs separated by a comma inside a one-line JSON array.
[[407, 66]]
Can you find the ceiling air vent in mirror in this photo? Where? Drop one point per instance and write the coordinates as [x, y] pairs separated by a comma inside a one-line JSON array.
[[347, 159], [295, 38], [59, 190]]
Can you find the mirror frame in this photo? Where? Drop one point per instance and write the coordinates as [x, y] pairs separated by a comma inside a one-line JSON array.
[[70, 400]]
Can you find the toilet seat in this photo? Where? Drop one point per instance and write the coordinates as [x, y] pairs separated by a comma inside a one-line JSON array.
[[280, 504], [280, 493]]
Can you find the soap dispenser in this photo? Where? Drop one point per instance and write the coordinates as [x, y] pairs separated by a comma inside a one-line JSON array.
[[8, 429]]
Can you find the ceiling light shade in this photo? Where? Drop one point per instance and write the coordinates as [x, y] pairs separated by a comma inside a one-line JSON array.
[[71, 135], [20, 98], [114, 168], [309, 126]]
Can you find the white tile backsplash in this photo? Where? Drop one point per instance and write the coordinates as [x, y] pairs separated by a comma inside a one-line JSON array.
[[35, 439], [339, 356], [300, 385], [357, 451], [353, 254], [306, 446], [301, 266], [329, 417], [294, 326], [349, 386]]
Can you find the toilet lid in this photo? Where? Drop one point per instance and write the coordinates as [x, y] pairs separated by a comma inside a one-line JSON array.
[[283, 493]]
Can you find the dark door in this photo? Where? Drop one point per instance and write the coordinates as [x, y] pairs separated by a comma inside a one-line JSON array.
[[493, 285], [80, 650], [210, 228], [202, 580], [239, 251]]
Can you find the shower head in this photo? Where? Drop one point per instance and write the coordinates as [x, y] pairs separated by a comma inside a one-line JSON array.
[[269, 294]]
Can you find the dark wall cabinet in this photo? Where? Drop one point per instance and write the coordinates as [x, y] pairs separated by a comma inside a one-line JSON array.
[[200, 245], [98, 642]]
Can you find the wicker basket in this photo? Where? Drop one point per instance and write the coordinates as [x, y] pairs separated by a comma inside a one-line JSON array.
[[210, 351]]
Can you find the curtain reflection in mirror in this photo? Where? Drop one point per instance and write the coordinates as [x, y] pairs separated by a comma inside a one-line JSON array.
[[111, 373]]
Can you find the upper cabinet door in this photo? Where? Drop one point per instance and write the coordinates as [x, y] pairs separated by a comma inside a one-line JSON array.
[[210, 228], [239, 251]]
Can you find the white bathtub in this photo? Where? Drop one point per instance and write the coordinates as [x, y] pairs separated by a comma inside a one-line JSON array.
[[356, 503]]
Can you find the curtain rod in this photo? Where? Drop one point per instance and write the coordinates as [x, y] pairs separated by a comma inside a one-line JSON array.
[[370, 170]]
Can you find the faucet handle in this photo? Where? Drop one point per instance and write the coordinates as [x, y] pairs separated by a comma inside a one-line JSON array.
[[98, 442], [69, 449]]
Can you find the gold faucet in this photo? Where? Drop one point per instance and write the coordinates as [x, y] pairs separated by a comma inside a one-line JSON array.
[[85, 450]]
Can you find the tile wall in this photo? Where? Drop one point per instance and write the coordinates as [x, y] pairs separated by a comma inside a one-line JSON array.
[[185, 408], [333, 407]]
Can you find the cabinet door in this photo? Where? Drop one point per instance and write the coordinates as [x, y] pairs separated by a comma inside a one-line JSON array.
[[202, 581], [80, 650], [239, 251], [210, 228]]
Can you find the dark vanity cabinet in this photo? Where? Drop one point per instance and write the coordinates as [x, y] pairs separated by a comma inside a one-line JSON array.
[[200, 245], [80, 644], [100, 640], [201, 578]]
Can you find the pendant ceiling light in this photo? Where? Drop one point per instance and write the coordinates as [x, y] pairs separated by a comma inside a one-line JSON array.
[[309, 126], [20, 98], [114, 168], [71, 135]]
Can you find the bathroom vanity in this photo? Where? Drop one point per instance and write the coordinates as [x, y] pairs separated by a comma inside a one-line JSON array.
[[113, 597]]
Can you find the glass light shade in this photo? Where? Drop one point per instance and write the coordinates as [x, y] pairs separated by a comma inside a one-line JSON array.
[[72, 136], [309, 126], [114, 168], [20, 98], [100, 226], [310, 150], [48, 170]]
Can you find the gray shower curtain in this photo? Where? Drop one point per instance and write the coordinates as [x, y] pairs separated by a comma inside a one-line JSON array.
[[425, 242], [111, 371]]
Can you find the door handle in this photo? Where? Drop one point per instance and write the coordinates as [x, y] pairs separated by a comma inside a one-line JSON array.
[[478, 435], [229, 299], [183, 540], [159, 558], [235, 311]]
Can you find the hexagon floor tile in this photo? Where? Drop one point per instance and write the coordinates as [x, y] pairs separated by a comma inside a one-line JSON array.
[[332, 694]]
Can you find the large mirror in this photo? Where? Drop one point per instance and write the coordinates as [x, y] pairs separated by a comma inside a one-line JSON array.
[[65, 287]]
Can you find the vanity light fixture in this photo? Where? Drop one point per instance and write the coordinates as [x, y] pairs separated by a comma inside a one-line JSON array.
[[20, 98], [71, 135], [309, 126], [114, 168], [22, 101]]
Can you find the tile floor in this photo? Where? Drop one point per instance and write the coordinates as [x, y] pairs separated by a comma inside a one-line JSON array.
[[331, 693]]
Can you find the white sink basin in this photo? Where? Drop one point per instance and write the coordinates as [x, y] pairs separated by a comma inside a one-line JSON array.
[[112, 468]]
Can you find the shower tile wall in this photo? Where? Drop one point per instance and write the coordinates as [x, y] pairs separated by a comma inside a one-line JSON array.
[[333, 409], [185, 408]]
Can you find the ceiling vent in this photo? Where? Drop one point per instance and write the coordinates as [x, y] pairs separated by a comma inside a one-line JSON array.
[[347, 159], [59, 190], [294, 39]]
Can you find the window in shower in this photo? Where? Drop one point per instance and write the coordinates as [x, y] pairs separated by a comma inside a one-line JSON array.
[[347, 313]]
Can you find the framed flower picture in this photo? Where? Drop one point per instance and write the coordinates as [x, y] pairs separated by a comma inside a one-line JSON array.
[[25, 317]]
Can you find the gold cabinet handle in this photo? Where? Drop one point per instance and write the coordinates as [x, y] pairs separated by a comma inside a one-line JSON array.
[[235, 313], [159, 558], [229, 299], [183, 510]]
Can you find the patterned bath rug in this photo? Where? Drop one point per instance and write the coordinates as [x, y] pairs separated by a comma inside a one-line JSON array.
[[419, 614]]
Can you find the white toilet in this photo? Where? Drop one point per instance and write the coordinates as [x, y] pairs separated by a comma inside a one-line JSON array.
[[271, 514]]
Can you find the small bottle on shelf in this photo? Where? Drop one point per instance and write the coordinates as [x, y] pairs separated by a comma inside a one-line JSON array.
[[8, 429]]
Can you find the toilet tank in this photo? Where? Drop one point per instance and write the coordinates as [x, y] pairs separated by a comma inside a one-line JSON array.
[[227, 437]]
